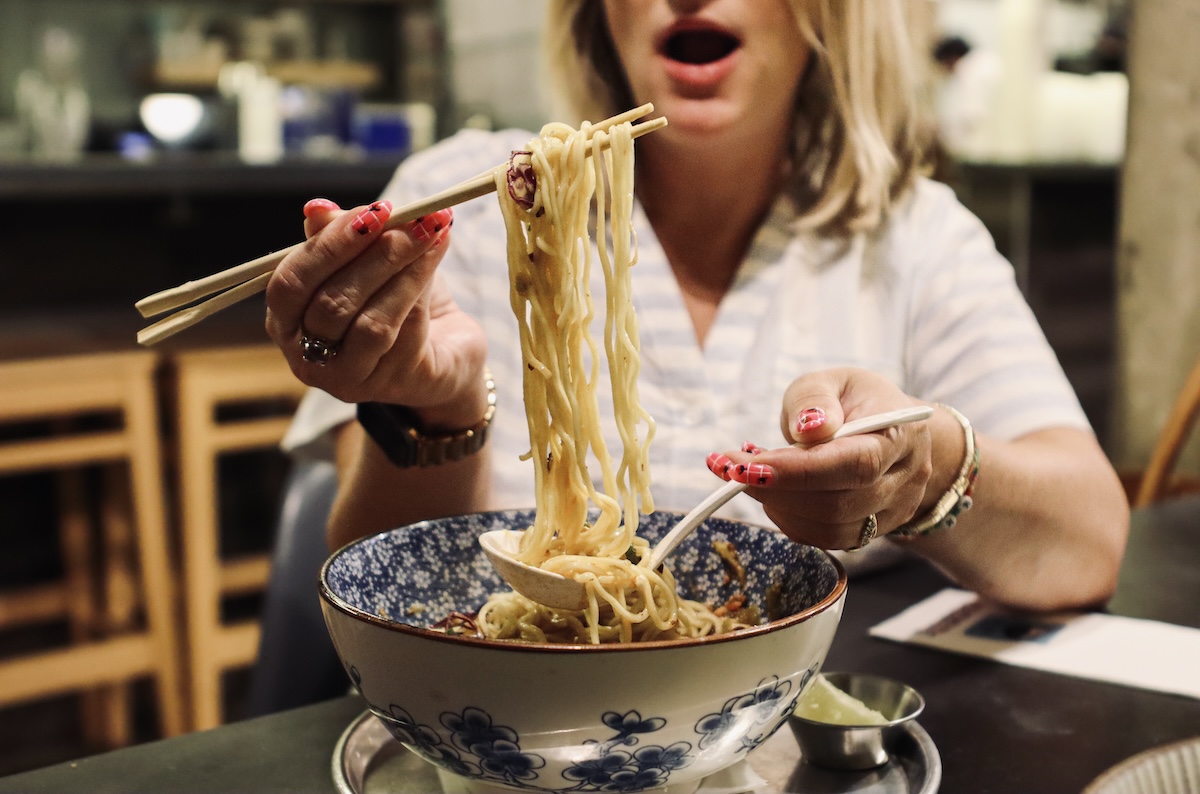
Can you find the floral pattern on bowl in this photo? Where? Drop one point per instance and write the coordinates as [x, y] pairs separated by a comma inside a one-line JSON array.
[[369, 580], [622, 717], [472, 745]]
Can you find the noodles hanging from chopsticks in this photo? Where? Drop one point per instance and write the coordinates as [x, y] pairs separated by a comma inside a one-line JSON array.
[[547, 201]]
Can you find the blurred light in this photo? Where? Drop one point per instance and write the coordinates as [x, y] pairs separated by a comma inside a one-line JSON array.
[[171, 118]]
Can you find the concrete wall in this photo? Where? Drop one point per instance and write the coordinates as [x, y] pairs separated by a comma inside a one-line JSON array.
[[495, 49], [1159, 238]]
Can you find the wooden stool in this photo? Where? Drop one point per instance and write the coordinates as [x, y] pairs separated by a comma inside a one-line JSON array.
[[50, 397], [1160, 480], [205, 381]]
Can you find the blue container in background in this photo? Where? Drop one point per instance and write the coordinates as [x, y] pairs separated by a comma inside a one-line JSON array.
[[382, 129]]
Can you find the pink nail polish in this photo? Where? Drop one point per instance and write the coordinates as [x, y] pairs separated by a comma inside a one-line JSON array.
[[810, 419], [427, 226], [319, 205], [751, 447], [759, 474], [719, 464], [372, 218]]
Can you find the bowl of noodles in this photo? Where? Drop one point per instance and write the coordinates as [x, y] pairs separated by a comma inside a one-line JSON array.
[[554, 711], [663, 675]]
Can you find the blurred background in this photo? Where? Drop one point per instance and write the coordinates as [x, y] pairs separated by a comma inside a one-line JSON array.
[[143, 144]]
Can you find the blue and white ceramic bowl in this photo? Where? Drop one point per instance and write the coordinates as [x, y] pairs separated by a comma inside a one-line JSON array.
[[578, 718]]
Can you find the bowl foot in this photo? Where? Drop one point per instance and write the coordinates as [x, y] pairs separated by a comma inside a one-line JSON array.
[[455, 784]]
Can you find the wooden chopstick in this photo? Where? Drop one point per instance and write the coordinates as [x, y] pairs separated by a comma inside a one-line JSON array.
[[191, 291], [251, 277], [186, 318], [475, 187]]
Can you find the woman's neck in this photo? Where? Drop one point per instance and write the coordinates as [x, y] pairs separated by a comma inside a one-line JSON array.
[[705, 207]]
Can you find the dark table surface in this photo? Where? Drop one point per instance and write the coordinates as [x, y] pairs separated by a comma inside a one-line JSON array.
[[999, 729]]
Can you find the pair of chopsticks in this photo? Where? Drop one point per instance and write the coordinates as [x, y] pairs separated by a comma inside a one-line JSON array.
[[237, 283]]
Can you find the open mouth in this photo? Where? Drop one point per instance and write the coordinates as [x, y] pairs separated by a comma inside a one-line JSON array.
[[699, 46]]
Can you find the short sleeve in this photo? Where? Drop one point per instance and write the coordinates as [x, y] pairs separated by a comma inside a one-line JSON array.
[[973, 341]]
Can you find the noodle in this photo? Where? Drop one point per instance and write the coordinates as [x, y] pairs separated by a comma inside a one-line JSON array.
[[550, 266]]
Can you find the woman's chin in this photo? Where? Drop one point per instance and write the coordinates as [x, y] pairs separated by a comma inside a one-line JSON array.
[[703, 121]]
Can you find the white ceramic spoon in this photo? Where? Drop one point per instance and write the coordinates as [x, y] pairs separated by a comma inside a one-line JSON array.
[[556, 590]]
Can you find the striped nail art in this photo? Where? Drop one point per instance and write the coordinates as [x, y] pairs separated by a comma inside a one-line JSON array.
[[759, 474], [432, 224], [751, 447], [810, 419], [718, 464], [372, 218]]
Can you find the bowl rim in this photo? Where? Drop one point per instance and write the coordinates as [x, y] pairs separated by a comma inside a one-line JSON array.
[[334, 601]]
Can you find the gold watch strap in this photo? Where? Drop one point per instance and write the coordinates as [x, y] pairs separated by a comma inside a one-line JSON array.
[[397, 430], [436, 450]]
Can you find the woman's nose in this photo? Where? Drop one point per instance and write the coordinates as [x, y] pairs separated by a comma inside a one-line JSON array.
[[687, 6]]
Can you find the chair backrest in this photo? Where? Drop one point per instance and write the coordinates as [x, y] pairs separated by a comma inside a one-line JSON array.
[[1157, 480]]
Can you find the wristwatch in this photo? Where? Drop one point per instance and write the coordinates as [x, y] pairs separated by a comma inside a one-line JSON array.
[[398, 432]]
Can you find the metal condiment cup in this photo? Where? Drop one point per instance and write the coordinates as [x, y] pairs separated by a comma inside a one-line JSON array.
[[858, 747]]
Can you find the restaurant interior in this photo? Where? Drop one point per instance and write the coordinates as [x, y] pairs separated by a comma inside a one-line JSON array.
[[144, 145]]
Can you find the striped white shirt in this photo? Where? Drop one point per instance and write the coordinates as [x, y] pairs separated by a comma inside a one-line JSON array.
[[926, 301]]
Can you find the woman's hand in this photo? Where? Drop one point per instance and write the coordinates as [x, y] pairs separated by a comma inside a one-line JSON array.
[[822, 492], [359, 312]]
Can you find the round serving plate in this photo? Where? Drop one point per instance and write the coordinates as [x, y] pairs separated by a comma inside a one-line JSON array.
[[1171, 769], [368, 760]]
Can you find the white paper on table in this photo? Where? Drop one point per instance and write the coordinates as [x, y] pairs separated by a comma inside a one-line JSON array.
[[1146, 654]]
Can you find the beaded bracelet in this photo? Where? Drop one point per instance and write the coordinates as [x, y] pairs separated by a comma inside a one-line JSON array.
[[957, 499]]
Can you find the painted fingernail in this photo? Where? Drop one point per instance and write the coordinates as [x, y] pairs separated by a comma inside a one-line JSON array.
[[441, 235], [372, 218], [751, 447], [810, 419], [719, 464], [429, 225], [752, 474], [319, 205]]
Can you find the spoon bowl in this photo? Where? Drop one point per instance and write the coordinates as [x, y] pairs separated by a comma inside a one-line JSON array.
[[543, 587], [555, 590]]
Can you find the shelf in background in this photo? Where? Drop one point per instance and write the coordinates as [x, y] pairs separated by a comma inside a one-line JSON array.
[[199, 174]]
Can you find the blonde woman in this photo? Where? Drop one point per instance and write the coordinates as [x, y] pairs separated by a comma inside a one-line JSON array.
[[795, 271]]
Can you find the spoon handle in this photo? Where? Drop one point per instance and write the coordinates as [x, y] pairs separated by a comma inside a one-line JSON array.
[[717, 498], [869, 424], [693, 519]]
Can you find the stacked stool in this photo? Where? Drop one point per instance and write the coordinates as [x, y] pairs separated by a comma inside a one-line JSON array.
[[66, 415], [205, 381]]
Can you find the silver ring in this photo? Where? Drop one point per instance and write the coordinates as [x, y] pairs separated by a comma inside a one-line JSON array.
[[867, 534], [316, 350]]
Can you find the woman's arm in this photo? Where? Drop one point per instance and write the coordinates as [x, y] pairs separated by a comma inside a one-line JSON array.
[[399, 338], [1048, 526], [374, 495], [1048, 521]]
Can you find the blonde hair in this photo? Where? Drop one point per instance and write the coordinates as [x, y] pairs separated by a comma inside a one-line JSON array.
[[858, 139]]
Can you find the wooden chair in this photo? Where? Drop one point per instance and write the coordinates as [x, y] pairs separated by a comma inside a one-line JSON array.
[[1159, 480], [207, 380], [98, 411]]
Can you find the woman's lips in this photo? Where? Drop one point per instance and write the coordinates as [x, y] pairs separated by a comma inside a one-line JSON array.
[[697, 55], [699, 76]]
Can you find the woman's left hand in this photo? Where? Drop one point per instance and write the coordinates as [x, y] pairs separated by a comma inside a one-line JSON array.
[[823, 492]]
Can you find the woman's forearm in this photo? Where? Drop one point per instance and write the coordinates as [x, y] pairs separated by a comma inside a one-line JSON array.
[[374, 495], [1048, 526]]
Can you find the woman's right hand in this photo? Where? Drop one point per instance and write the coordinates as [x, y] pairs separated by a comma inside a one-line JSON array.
[[374, 297]]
